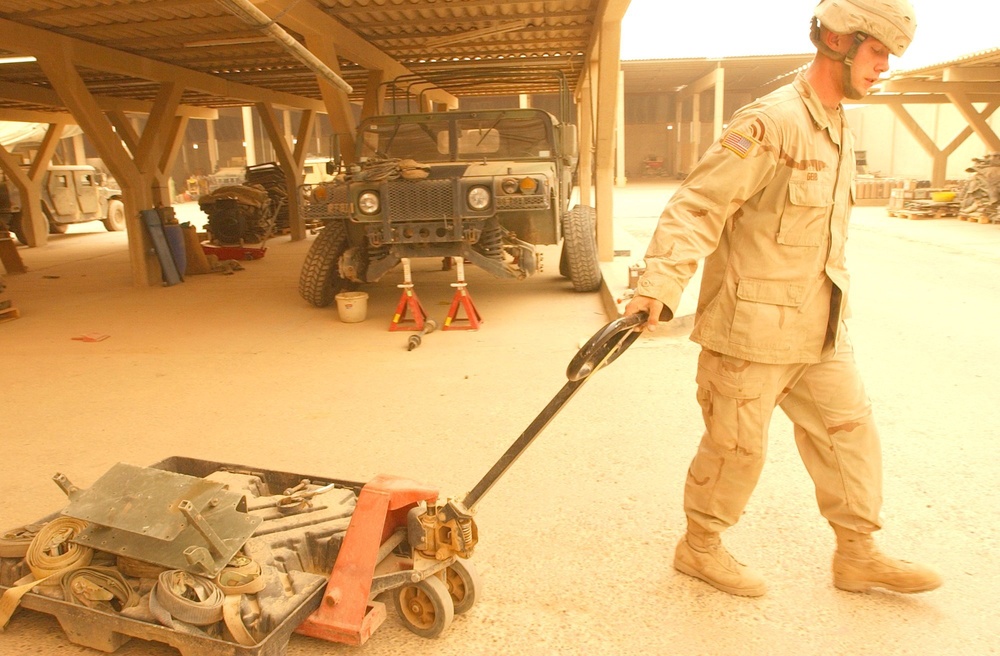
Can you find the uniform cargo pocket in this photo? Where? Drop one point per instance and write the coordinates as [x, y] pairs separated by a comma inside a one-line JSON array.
[[766, 313], [804, 217], [731, 409]]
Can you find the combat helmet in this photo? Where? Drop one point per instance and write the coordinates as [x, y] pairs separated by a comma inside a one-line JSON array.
[[893, 22]]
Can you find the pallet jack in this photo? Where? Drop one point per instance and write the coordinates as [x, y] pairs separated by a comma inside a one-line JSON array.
[[389, 536], [405, 540]]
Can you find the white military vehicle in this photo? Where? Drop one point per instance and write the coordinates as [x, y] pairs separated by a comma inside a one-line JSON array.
[[70, 194]]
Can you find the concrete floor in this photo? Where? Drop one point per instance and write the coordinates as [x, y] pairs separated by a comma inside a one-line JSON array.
[[576, 541]]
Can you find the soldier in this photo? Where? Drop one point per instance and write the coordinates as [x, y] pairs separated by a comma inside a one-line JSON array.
[[768, 208]]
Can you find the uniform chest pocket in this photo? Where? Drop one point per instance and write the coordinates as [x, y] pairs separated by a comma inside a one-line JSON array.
[[805, 217]]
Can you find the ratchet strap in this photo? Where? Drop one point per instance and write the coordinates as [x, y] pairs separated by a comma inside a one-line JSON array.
[[241, 577], [100, 588], [178, 595], [14, 542], [240, 580], [51, 553], [234, 621]]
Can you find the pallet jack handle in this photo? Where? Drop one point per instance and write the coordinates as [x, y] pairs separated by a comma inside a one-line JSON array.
[[600, 350]]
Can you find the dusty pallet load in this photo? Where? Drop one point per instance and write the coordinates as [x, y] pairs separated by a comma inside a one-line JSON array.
[[7, 310], [873, 190], [927, 209], [981, 191], [911, 202], [251, 560]]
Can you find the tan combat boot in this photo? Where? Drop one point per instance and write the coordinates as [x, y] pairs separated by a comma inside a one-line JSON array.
[[859, 566], [702, 556]]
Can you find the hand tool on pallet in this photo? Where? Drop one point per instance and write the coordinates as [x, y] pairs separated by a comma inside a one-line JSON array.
[[403, 540]]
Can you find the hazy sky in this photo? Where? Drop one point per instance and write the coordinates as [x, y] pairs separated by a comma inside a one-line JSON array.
[[664, 29]]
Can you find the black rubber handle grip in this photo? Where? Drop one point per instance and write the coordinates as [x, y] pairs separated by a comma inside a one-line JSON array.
[[606, 345]]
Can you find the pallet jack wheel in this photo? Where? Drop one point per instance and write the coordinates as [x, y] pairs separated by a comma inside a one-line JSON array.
[[463, 585], [425, 607]]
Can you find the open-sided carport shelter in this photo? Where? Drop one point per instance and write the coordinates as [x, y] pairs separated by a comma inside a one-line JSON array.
[[102, 64], [95, 64]]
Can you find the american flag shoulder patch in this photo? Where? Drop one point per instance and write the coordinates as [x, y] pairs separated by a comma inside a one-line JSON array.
[[737, 142]]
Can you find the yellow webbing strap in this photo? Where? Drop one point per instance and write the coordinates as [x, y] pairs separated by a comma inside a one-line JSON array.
[[234, 621], [241, 577], [14, 542], [51, 553], [101, 588], [185, 597]]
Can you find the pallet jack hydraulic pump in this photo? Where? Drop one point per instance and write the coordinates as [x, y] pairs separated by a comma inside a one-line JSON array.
[[404, 540]]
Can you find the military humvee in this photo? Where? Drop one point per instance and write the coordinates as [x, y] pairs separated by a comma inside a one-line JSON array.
[[485, 185], [70, 194]]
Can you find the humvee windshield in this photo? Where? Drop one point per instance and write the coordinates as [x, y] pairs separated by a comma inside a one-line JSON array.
[[489, 135]]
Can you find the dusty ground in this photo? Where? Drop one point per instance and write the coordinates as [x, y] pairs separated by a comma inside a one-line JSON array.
[[576, 540]]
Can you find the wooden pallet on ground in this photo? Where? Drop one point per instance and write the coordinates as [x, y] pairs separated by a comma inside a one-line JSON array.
[[9, 314], [923, 214], [926, 209], [974, 218]]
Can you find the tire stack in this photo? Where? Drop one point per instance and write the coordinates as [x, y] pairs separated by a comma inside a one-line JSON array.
[[272, 179]]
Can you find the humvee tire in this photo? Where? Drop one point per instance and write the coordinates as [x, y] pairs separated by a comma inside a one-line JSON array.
[[320, 278]]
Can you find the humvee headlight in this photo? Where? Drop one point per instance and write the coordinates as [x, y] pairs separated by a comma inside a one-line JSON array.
[[319, 193], [528, 185], [478, 198], [509, 186], [369, 203]]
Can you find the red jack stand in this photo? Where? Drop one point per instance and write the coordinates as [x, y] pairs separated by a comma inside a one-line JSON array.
[[408, 301], [345, 614], [464, 301]]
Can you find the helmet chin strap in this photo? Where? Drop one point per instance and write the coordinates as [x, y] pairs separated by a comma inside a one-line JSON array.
[[847, 58], [850, 91]]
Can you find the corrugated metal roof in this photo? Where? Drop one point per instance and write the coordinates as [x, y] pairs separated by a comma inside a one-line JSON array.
[[983, 59], [202, 36], [424, 36], [751, 74]]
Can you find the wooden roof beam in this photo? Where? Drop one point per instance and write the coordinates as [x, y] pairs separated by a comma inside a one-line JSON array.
[[311, 21], [27, 93], [38, 42]]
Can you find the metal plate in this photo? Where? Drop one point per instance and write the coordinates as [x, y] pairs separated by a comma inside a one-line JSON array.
[[141, 500], [135, 512]]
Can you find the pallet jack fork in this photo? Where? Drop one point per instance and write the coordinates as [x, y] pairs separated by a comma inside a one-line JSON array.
[[462, 301], [434, 584], [408, 302], [348, 612]]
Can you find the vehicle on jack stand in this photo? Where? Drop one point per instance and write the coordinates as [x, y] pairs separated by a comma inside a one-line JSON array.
[[70, 194], [483, 185]]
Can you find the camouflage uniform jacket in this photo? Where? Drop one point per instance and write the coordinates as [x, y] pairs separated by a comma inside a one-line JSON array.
[[767, 207]]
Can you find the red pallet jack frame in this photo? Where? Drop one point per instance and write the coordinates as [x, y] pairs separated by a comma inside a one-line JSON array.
[[348, 612], [345, 614]]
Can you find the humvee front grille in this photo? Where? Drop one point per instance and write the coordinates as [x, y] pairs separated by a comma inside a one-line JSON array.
[[420, 200], [333, 205], [537, 202]]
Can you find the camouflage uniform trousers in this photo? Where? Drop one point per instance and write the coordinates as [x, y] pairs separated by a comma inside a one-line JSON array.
[[833, 426]]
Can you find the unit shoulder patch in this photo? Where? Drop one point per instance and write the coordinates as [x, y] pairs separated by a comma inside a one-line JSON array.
[[739, 143]]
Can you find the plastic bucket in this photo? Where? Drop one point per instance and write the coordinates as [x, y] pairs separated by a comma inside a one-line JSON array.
[[352, 306]]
